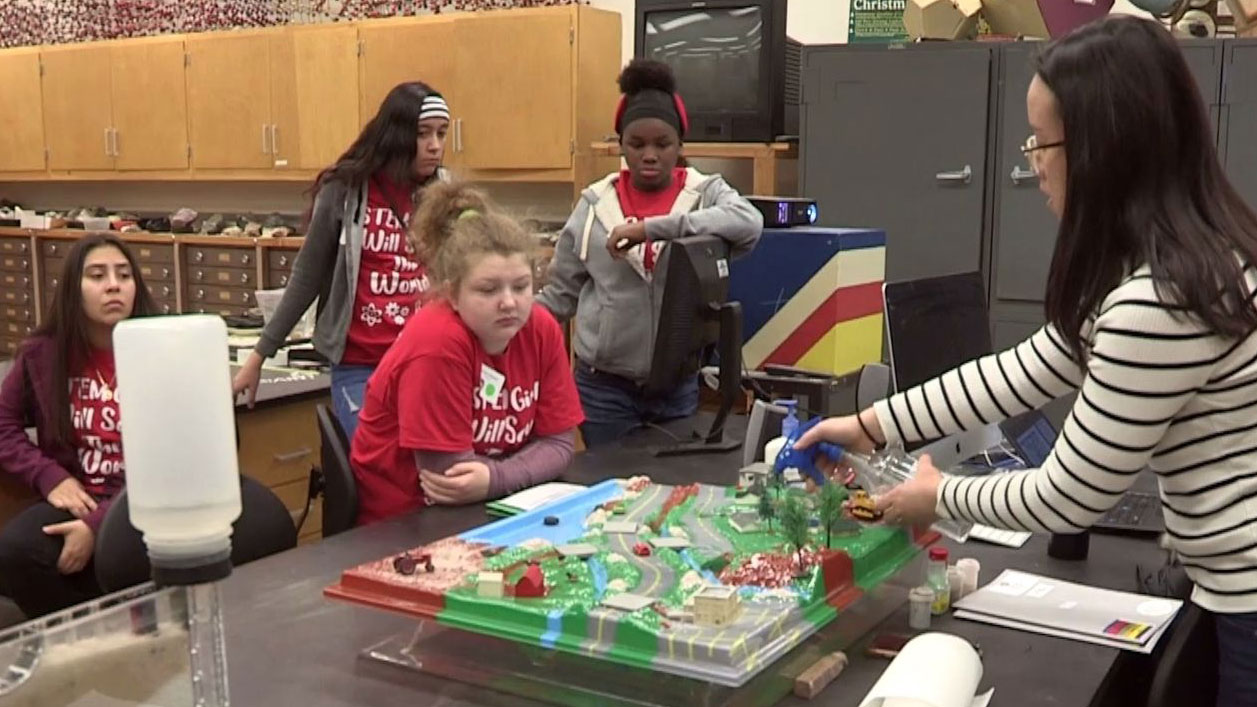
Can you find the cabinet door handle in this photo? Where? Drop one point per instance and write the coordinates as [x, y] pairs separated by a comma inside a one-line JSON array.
[[244, 259], [107, 152], [283, 261], [52, 248], [274, 139], [265, 132], [963, 176], [165, 272], [114, 133], [285, 457], [244, 278], [283, 281], [200, 294], [1020, 175]]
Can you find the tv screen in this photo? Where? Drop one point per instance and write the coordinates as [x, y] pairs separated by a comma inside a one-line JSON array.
[[714, 52]]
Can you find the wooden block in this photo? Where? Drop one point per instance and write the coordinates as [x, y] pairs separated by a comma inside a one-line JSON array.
[[811, 681]]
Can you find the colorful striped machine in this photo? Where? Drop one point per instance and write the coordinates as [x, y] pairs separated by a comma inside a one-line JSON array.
[[812, 298]]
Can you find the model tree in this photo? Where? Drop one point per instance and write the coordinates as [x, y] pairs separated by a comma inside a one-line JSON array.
[[794, 524], [829, 507], [766, 510], [777, 481]]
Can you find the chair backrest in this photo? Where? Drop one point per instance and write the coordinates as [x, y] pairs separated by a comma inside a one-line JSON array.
[[873, 384], [264, 528], [340, 489], [1187, 671]]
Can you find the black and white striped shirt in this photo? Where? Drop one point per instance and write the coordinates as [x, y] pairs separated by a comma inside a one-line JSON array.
[[1158, 389]]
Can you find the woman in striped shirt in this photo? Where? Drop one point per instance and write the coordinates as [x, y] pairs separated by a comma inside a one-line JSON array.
[[1150, 318]]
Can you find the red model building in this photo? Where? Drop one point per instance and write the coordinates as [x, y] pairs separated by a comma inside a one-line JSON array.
[[532, 584]]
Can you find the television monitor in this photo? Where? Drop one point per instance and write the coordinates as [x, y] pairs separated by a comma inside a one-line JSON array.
[[736, 70], [694, 317], [935, 324]]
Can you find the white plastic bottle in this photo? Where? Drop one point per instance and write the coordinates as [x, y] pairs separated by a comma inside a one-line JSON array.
[[178, 438], [886, 469]]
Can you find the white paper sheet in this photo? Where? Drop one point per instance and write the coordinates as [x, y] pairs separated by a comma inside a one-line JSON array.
[[932, 670], [538, 496], [1059, 633]]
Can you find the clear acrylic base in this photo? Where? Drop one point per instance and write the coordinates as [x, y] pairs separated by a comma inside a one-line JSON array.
[[562, 678]]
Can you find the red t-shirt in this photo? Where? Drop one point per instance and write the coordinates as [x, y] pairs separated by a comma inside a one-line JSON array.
[[427, 395], [391, 278], [94, 416], [637, 204]]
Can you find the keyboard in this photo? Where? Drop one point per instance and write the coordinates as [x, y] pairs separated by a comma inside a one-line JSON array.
[[1136, 512]]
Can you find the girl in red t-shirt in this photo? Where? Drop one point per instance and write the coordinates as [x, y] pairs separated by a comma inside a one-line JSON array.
[[62, 382], [356, 257], [476, 398]]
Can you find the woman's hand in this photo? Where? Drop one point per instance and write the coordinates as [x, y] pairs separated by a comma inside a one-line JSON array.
[[69, 495], [844, 431], [913, 502], [77, 549], [248, 378], [624, 237], [465, 482]]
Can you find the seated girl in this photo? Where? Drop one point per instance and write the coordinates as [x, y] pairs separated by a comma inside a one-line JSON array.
[[476, 398], [62, 382]]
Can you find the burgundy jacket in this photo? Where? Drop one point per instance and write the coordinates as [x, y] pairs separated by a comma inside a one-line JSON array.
[[25, 400]]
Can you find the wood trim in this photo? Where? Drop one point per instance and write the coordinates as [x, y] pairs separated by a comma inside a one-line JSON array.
[[719, 150]]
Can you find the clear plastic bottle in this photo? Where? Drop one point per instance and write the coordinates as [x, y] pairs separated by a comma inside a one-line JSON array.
[[936, 580], [890, 467]]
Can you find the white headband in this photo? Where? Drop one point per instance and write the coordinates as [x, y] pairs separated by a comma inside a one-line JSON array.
[[434, 106]]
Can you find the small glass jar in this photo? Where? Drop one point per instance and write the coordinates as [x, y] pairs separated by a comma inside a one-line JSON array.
[[936, 579]]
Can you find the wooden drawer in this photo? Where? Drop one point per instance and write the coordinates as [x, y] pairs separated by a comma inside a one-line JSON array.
[[8, 346], [220, 257], [16, 296], [150, 253], [279, 443], [15, 246], [157, 272], [17, 330], [161, 290], [278, 259], [167, 307], [225, 310], [220, 295], [228, 277], [15, 280], [13, 313], [53, 266], [15, 262], [276, 280], [55, 249]]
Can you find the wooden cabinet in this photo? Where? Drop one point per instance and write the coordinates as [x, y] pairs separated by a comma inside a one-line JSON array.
[[229, 100], [314, 89], [76, 102], [116, 106], [294, 89], [17, 292], [21, 112], [519, 113], [150, 108], [529, 91]]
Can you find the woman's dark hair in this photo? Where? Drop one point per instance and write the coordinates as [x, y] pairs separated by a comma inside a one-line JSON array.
[[1143, 183], [66, 325], [387, 143]]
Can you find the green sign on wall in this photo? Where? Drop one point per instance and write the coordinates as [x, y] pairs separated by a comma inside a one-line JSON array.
[[876, 21]]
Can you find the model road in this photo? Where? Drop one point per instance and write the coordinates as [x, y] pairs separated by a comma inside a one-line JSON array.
[[657, 576]]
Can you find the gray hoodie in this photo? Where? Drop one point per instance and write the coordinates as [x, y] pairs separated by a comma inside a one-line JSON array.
[[617, 309], [327, 268]]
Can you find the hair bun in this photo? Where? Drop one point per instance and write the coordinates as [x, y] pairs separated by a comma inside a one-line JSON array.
[[440, 206], [645, 74]]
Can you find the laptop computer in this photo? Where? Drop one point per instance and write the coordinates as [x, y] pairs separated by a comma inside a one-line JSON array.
[[1137, 513]]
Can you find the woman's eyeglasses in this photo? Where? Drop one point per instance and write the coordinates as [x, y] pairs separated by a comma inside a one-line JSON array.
[[1032, 150]]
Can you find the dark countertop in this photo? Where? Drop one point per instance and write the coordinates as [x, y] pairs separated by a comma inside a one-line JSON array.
[[288, 645]]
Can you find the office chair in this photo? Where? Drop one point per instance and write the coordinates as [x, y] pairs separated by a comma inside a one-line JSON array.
[[264, 528], [873, 384], [334, 480], [1187, 671]]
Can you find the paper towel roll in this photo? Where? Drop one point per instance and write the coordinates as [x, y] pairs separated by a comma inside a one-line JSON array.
[[932, 670]]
